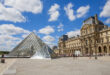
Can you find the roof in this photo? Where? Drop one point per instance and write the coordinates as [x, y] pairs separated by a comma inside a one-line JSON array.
[[91, 20]]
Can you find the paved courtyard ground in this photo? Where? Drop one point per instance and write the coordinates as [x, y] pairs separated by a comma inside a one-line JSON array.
[[62, 66], [4, 67]]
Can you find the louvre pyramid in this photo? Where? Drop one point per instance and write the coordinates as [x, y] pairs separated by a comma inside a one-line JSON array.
[[32, 46]]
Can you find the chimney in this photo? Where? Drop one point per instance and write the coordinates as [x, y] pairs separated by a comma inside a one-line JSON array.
[[96, 19]]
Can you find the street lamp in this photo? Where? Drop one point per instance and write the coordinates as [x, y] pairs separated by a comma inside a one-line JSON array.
[[95, 52]]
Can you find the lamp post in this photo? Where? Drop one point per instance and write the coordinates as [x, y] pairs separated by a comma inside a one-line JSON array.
[[95, 44], [107, 37], [90, 47], [95, 49], [95, 53]]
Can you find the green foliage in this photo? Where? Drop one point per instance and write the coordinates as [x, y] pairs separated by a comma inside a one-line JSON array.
[[3, 52]]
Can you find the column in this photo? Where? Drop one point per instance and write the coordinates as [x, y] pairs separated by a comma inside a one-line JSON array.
[[108, 50], [102, 50]]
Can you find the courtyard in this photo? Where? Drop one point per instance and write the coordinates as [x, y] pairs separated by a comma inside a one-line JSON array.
[[60, 66]]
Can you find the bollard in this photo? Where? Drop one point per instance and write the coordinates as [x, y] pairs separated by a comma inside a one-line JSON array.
[[96, 57], [2, 60], [90, 57]]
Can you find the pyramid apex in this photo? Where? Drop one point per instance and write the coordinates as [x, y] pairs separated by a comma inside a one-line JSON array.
[[32, 33]]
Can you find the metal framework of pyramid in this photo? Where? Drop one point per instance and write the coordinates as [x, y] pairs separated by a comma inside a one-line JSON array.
[[32, 46]]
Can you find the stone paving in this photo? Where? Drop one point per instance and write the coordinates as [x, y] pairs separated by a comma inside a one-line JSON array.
[[6, 65], [63, 66]]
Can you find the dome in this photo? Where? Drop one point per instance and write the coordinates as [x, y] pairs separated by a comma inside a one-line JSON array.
[[93, 20]]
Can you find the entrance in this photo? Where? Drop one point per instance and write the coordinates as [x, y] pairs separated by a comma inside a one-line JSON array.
[[100, 51], [105, 50], [86, 51]]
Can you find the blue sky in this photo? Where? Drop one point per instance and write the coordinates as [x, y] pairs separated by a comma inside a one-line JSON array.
[[49, 19]]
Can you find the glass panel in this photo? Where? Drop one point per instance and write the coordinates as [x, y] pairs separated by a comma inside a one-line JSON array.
[[32, 46]]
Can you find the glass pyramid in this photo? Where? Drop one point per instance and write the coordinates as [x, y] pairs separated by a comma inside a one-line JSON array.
[[32, 46]]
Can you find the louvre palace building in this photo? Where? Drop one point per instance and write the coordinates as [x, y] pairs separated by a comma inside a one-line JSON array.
[[94, 39]]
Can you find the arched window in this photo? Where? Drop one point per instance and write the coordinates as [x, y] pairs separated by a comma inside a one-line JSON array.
[[100, 50], [109, 48], [105, 49], [86, 50]]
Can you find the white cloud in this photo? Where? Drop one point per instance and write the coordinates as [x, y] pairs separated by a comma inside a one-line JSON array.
[[10, 29], [50, 44], [25, 35], [82, 11], [70, 12], [60, 27], [106, 10], [7, 42], [73, 33], [53, 12], [46, 30], [10, 36], [10, 14], [107, 21], [7, 37], [11, 10], [34, 6], [48, 38], [34, 31], [57, 36]]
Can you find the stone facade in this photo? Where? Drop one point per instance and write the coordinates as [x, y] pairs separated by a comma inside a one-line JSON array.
[[94, 39]]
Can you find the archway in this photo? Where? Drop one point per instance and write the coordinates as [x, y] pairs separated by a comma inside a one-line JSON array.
[[109, 50], [105, 50], [86, 51], [100, 50]]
